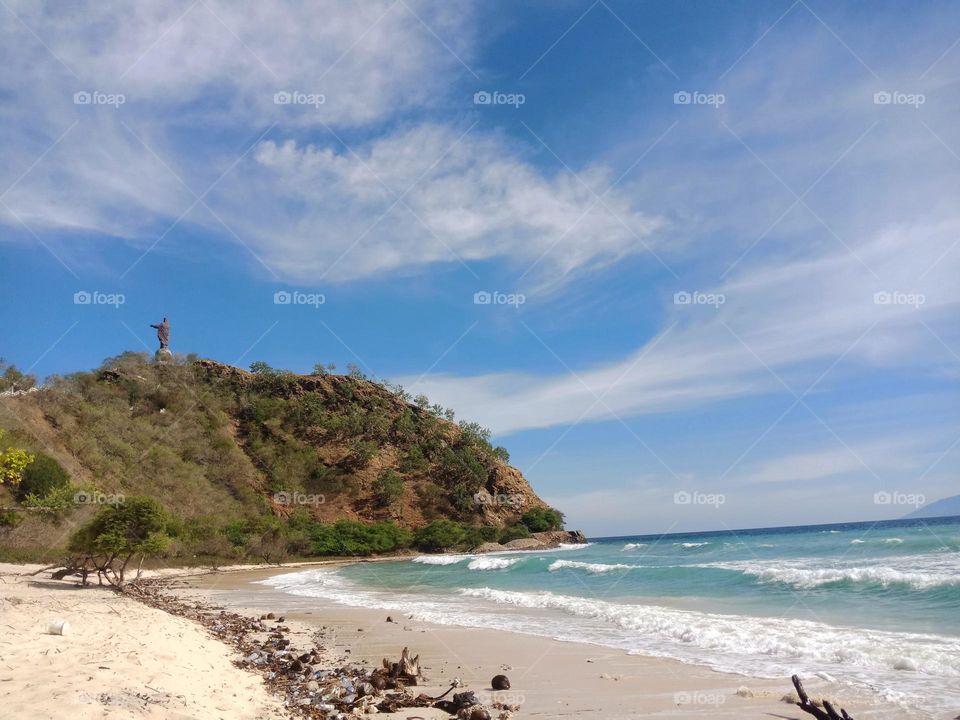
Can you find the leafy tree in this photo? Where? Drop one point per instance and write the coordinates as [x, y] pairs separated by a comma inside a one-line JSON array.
[[413, 460], [12, 379], [259, 367], [361, 452], [439, 535], [41, 477], [117, 534], [348, 537], [514, 532], [501, 452], [540, 519], [13, 463], [388, 488]]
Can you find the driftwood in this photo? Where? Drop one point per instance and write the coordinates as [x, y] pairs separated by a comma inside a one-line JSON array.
[[826, 713], [408, 669]]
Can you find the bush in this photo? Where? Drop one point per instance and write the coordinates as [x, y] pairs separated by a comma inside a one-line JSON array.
[[413, 460], [540, 519], [41, 477], [388, 488], [13, 463], [514, 532], [439, 535], [348, 537], [12, 379]]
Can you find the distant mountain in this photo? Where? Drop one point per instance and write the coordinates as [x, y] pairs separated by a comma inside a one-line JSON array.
[[941, 508]]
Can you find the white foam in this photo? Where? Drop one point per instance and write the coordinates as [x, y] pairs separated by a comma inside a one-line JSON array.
[[917, 572], [441, 559], [491, 563], [727, 639], [691, 545], [633, 546], [594, 568]]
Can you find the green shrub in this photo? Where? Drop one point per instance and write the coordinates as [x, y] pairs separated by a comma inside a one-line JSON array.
[[388, 488], [439, 535], [514, 532], [540, 519], [41, 477], [348, 537], [413, 460]]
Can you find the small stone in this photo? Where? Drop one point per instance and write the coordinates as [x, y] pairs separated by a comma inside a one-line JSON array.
[[500, 682], [744, 692], [313, 686], [269, 616]]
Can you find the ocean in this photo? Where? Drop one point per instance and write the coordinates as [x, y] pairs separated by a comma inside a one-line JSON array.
[[875, 606]]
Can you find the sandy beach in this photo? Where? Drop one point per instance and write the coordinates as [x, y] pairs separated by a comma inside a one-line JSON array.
[[121, 658]]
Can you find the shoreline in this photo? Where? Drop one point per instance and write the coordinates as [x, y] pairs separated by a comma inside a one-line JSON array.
[[554, 678], [175, 667]]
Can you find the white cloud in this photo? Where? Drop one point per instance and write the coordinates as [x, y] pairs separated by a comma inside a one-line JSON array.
[[780, 316], [199, 83], [463, 196]]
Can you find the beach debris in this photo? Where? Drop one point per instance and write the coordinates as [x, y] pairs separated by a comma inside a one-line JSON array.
[[58, 627], [312, 682], [744, 692], [389, 619], [826, 712], [408, 669], [500, 682]]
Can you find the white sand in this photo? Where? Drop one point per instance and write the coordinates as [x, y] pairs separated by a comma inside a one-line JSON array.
[[119, 658]]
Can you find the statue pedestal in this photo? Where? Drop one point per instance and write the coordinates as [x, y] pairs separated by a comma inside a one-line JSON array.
[[163, 355]]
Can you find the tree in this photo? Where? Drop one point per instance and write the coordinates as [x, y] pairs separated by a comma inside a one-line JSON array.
[[439, 535], [259, 367], [13, 463], [388, 488], [12, 379], [118, 533], [540, 519], [41, 477]]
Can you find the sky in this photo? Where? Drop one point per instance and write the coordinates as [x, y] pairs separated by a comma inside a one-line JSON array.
[[695, 264]]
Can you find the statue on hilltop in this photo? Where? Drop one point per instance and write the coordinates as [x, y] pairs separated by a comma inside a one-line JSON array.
[[163, 334], [163, 355]]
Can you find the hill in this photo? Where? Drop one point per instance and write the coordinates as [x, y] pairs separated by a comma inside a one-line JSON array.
[[946, 507], [264, 462]]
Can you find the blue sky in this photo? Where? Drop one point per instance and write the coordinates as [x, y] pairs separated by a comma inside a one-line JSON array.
[[790, 168]]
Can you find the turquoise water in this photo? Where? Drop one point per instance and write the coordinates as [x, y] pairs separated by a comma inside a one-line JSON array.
[[875, 605]]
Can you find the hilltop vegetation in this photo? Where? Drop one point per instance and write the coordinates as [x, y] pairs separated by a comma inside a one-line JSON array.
[[263, 464]]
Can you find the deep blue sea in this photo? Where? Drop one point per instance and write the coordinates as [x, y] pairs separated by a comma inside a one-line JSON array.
[[875, 605]]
